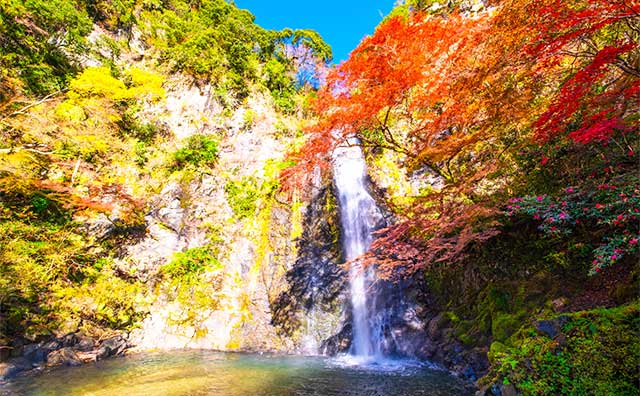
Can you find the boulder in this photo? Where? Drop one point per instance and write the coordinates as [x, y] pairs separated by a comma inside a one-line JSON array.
[[69, 340], [552, 328], [433, 328], [53, 345], [13, 367], [99, 227], [86, 357], [547, 327], [85, 344], [63, 357], [508, 390], [112, 347]]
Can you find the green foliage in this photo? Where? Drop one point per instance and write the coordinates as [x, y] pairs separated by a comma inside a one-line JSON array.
[[99, 108], [114, 15], [215, 41], [200, 150], [103, 299], [600, 356], [36, 37], [52, 277], [243, 196], [194, 278], [280, 84], [309, 39], [188, 265], [211, 39]]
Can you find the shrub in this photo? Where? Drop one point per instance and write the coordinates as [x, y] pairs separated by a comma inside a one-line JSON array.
[[242, 196], [189, 264], [200, 150], [103, 299], [612, 209]]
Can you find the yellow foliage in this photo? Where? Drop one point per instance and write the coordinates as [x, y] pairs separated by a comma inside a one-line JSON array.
[[297, 209], [68, 110], [97, 81], [145, 84], [95, 91]]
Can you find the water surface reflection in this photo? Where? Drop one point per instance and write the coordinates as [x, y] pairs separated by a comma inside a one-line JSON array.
[[194, 373]]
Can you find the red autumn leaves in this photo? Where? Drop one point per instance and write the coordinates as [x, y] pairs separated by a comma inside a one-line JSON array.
[[454, 93]]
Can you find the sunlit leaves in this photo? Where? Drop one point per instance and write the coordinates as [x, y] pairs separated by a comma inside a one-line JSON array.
[[461, 94]]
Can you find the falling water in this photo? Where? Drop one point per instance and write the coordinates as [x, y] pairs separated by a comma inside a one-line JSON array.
[[359, 214]]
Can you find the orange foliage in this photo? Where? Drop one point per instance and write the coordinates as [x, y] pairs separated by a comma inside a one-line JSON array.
[[458, 93]]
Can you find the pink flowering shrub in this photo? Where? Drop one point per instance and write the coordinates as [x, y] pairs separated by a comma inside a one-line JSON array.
[[608, 210]]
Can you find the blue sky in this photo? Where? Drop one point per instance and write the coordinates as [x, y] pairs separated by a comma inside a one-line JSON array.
[[342, 24]]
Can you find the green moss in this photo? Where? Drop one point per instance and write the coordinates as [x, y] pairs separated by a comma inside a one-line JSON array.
[[503, 325], [192, 262], [496, 350], [598, 355], [467, 339]]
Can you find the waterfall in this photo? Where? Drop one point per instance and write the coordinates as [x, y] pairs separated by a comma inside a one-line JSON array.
[[359, 215]]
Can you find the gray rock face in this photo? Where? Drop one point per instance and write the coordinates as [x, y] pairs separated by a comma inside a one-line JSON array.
[[169, 210], [99, 227], [316, 284]]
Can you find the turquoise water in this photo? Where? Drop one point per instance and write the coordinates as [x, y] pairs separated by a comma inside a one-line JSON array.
[[224, 374]]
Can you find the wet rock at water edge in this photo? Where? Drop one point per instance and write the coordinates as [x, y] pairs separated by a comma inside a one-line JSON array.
[[5, 352], [338, 343], [114, 346], [14, 366], [63, 357], [35, 353], [85, 344]]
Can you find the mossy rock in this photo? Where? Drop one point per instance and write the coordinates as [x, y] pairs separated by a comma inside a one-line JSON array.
[[503, 325], [497, 348], [596, 353]]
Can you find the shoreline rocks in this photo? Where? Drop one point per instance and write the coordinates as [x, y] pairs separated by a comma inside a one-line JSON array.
[[73, 349]]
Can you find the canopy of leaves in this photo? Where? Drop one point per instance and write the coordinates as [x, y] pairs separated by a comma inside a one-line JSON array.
[[36, 37], [461, 94]]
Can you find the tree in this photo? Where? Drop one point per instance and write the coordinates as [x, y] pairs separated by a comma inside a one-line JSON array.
[[601, 95], [462, 95]]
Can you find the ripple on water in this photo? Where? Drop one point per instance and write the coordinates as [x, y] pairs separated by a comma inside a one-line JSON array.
[[197, 373]]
